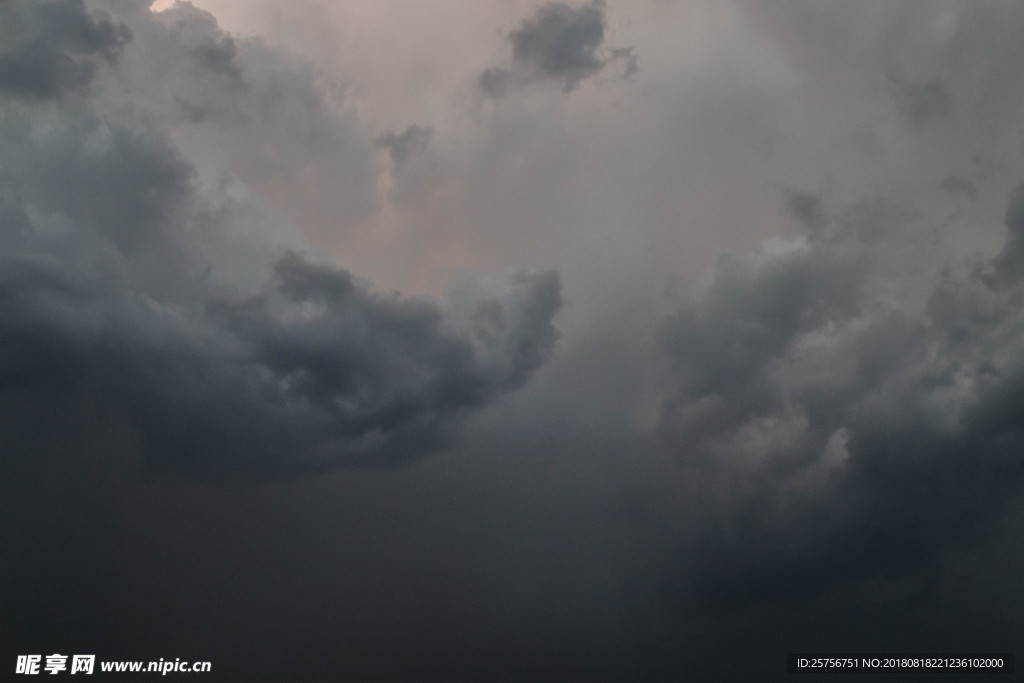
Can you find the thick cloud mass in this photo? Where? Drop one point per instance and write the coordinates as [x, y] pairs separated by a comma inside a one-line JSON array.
[[833, 429], [52, 46], [560, 42], [128, 279], [258, 405]]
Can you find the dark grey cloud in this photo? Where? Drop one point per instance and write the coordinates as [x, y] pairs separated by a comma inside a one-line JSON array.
[[315, 371], [806, 207], [959, 185], [213, 50], [495, 81], [48, 47], [1008, 264], [400, 146], [836, 465], [127, 281], [833, 431], [924, 102], [60, 175], [560, 43]]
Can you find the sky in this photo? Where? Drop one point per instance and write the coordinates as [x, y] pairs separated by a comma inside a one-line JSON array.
[[473, 339]]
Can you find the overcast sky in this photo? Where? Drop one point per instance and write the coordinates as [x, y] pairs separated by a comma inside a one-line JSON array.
[[472, 339]]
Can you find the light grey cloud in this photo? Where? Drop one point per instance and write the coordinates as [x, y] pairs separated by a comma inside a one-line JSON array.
[[242, 107], [628, 58]]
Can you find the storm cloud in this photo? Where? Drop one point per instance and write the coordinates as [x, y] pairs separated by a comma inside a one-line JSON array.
[[459, 340], [55, 46], [126, 278], [835, 428]]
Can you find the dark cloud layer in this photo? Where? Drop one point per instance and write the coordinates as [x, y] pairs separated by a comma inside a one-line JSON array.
[[214, 433], [314, 372], [54, 46], [124, 282], [834, 432]]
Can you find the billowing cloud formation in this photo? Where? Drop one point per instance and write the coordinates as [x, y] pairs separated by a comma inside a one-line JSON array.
[[53, 46], [561, 44], [149, 282], [833, 426], [240, 108], [815, 447]]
